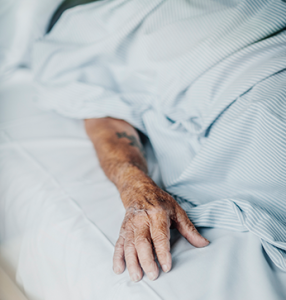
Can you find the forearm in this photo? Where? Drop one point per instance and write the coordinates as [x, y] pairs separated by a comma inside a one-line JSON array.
[[149, 210], [119, 151]]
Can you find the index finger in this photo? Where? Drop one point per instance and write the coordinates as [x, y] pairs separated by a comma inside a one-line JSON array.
[[160, 234], [145, 253]]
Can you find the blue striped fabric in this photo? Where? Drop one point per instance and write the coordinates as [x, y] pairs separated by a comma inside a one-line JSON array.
[[205, 80]]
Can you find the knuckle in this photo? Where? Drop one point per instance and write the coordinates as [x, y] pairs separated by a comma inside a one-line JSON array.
[[157, 211], [148, 266], [191, 227], [119, 244], [142, 241], [129, 256], [183, 219], [162, 250], [129, 245], [131, 264], [118, 250], [160, 232], [117, 256], [161, 254], [130, 259], [146, 262], [161, 240], [129, 252]]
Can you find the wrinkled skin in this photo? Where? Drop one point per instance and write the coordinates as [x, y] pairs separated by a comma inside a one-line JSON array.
[[150, 212], [149, 215]]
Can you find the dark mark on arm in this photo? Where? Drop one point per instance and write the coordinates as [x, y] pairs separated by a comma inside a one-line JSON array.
[[133, 141]]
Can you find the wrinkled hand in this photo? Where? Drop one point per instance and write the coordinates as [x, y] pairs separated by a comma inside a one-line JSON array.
[[150, 212]]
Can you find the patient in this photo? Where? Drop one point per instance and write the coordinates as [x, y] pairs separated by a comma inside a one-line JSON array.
[[151, 211]]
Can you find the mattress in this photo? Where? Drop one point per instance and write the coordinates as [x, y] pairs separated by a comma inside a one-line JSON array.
[[60, 218]]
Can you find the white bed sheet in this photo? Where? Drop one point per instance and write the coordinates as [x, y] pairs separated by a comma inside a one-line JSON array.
[[60, 218]]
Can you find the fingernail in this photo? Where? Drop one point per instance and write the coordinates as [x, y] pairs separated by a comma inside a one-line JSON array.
[[151, 275], [165, 268], [135, 277]]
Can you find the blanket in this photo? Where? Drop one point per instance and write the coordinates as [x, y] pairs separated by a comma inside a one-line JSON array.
[[205, 80]]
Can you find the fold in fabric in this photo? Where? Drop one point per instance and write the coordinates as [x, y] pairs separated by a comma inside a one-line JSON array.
[[205, 80]]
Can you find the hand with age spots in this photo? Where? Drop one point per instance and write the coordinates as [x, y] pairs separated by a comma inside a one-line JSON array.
[[150, 212]]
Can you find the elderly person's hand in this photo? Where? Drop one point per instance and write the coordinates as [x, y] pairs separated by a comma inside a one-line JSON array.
[[150, 212]]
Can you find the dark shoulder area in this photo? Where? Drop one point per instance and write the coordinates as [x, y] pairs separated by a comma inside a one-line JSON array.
[[63, 7]]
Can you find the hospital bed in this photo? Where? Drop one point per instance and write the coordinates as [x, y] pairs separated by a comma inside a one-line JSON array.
[[60, 218]]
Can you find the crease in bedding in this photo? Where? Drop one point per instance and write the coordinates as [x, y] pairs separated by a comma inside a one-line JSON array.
[[61, 234], [50, 178], [199, 78]]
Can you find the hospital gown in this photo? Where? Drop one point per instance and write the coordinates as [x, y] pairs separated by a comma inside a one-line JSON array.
[[205, 80]]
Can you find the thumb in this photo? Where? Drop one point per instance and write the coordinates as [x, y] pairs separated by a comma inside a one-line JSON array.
[[188, 230]]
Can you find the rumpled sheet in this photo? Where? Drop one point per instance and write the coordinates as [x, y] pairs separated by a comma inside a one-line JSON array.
[[60, 218], [203, 82]]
